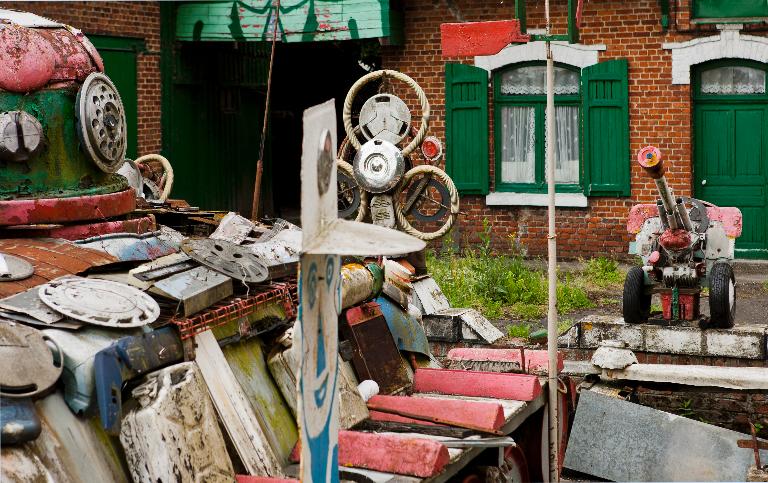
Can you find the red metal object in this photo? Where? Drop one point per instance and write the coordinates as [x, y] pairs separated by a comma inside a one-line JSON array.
[[687, 304], [63, 210], [479, 38], [519, 387], [653, 259], [27, 59], [81, 232], [535, 360], [479, 414], [235, 308], [51, 259], [675, 239], [390, 453], [730, 217]]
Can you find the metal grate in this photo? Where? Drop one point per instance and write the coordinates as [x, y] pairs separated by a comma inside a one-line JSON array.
[[237, 307]]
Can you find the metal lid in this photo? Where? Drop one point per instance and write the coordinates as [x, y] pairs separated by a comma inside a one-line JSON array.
[[14, 268], [385, 116], [30, 366], [101, 122], [100, 302], [378, 166], [232, 260]]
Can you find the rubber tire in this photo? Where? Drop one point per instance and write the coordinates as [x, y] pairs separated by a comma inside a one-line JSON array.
[[722, 313], [636, 304]]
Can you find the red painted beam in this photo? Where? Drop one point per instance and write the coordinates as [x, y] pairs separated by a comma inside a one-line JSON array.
[[479, 414], [81, 232], [479, 38], [536, 361], [389, 453], [499, 385], [64, 210]]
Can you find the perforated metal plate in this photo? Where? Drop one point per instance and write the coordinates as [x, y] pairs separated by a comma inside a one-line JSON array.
[[100, 302], [226, 257], [378, 166], [101, 122], [31, 366], [14, 268], [385, 116]]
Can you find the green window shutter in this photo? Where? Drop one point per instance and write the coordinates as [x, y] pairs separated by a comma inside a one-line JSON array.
[[605, 128], [466, 127]]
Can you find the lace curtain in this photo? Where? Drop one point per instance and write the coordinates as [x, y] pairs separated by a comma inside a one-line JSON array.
[[566, 144], [518, 144], [733, 80], [532, 80]]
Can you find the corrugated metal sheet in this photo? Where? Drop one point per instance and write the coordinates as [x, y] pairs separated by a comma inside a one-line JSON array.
[[51, 258]]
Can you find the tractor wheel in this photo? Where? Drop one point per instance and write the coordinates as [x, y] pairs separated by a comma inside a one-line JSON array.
[[722, 296], [636, 304]]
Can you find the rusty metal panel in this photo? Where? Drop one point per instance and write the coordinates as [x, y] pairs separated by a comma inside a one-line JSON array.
[[51, 259], [375, 355]]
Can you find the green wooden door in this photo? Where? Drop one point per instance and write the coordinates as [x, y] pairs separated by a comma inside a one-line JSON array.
[[119, 55], [731, 153]]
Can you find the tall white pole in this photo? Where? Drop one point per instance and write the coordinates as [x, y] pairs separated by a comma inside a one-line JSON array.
[[552, 382]]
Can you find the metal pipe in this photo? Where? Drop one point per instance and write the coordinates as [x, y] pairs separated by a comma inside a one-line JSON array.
[[667, 200], [662, 214], [552, 382], [683, 214]]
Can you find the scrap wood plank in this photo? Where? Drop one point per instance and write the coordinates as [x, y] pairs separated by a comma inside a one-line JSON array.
[[404, 454], [536, 361], [487, 415], [479, 38], [235, 412], [520, 387]]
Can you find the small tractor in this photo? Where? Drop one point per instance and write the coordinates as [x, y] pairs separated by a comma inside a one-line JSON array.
[[686, 246]]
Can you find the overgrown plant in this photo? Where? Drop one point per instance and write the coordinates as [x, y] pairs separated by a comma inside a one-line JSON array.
[[603, 272]]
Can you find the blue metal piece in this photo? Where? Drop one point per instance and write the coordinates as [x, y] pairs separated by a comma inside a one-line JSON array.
[[126, 359], [132, 247], [18, 420], [406, 330]]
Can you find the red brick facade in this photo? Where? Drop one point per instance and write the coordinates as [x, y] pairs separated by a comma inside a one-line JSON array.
[[660, 112], [120, 19]]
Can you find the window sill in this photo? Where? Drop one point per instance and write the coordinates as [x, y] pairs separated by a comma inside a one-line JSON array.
[[563, 200]]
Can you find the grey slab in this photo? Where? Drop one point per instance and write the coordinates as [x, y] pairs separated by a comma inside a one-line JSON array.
[[622, 441], [196, 289], [28, 302]]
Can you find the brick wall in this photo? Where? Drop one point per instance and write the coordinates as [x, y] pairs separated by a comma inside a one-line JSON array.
[[660, 112], [120, 19]]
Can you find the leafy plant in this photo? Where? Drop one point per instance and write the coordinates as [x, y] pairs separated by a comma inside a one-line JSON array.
[[603, 272], [519, 331]]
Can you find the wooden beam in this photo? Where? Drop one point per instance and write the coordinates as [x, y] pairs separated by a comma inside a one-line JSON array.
[[520, 387], [479, 38]]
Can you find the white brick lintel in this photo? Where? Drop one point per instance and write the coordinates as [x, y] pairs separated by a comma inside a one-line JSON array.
[[577, 55], [565, 200]]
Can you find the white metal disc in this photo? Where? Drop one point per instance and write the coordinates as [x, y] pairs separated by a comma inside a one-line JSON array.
[[385, 116], [13, 268], [100, 302], [378, 166]]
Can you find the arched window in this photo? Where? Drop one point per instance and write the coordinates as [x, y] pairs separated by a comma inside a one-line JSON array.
[[520, 127]]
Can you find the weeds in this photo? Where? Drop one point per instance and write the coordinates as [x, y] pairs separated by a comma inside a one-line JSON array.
[[603, 272], [686, 410], [519, 331]]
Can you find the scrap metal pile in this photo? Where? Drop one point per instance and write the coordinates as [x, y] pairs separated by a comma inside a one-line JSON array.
[[144, 339]]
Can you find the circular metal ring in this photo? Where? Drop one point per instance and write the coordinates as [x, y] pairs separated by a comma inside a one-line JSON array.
[[101, 122]]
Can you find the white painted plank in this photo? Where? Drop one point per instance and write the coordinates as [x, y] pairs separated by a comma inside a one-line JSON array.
[[234, 410], [707, 376], [430, 296]]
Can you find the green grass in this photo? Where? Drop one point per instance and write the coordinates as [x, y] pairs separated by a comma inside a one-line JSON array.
[[519, 331], [603, 272], [765, 285], [501, 286]]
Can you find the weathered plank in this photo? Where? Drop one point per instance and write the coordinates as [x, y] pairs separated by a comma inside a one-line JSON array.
[[520, 387], [236, 413], [485, 415]]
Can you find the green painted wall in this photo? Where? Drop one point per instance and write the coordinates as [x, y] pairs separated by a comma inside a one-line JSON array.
[[300, 20]]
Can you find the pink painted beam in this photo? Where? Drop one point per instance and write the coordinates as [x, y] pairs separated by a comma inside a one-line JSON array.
[[479, 38], [478, 414], [499, 385], [389, 453], [62, 210], [536, 361]]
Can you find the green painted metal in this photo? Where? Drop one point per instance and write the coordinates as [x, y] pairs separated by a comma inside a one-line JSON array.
[[605, 128], [731, 155], [119, 55], [520, 15], [300, 20], [538, 102], [250, 369], [61, 170], [573, 29], [466, 127], [729, 8], [664, 6]]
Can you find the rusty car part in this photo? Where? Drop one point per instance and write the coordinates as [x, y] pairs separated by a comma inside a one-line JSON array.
[[100, 302], [13, 268], [62, 210], [31, 365], [232, 260], [236, 308], [101, 123], [51, 259]]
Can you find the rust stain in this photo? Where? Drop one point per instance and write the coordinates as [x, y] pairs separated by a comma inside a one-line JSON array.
[[51, 258]]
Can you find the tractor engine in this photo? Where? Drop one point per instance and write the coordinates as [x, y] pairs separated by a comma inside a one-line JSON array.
[[686, 245]]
